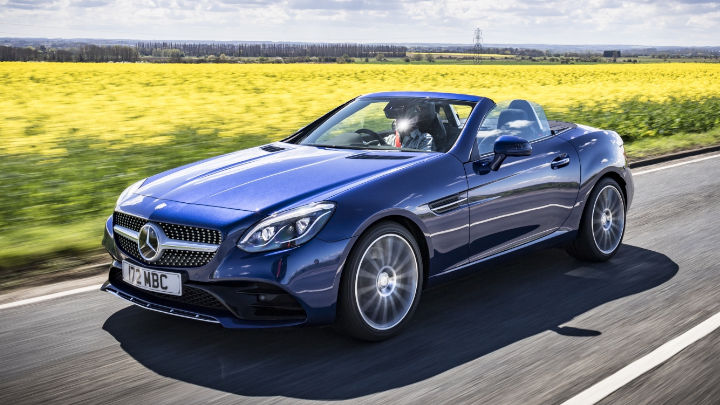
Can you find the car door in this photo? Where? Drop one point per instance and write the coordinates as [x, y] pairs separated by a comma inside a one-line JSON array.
[[528, 197]]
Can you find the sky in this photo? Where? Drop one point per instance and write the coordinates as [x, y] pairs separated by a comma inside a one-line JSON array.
[[563, 22]]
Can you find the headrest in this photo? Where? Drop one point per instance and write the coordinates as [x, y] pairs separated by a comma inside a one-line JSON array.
[[396, 108], [417, 110], [426, 112], [522, 105], [510, 115]]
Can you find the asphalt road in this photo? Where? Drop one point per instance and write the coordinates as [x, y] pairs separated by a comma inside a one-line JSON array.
[[538, 329]]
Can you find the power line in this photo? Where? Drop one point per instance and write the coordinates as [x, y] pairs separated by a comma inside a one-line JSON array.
[[477, 39]]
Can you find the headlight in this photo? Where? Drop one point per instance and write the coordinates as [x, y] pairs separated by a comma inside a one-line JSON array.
[[287, 229], [126, 193]]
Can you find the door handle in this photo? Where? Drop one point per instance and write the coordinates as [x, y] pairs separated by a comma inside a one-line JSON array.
[[560, 161]]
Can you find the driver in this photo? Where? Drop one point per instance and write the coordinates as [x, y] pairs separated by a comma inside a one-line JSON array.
[[407, 128]]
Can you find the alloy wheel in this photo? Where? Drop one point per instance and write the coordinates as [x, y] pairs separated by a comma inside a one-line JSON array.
[[386, 282], [608, 220]]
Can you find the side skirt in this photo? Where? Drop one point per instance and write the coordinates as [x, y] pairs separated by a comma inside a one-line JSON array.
[[554, 239]]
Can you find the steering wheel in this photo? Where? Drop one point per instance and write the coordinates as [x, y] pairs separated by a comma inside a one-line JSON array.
[[374, 135]]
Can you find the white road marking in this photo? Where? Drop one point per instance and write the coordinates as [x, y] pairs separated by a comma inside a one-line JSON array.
[[644, 364], [50, 296], [640, 173]]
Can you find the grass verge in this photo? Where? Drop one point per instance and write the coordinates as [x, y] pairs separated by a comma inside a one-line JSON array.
[[644, 148]]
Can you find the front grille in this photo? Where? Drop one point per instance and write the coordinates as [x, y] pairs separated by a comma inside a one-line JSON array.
[[173, 231], [170, 257], [191, 233], [191, 296], [128, 221]]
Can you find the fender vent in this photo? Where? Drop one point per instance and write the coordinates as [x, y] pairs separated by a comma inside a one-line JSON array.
[[447, 204], [271, 148]]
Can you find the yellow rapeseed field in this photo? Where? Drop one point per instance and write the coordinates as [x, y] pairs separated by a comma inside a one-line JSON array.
[[72, 136], [121, 104]]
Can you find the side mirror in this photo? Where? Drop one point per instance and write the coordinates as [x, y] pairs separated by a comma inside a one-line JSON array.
[[509, 145]]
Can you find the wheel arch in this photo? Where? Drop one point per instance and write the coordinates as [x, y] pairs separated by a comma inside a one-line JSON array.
[[618, 179], [411, 225], [573, 221]]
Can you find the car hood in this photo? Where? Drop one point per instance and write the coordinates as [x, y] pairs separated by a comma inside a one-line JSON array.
[[272, 175]]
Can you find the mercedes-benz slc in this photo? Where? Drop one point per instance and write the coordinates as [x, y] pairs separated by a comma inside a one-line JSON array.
[[349, 219]]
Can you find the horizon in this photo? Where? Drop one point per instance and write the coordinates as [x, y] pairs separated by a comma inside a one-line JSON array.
[[410, 44], [635, 23]]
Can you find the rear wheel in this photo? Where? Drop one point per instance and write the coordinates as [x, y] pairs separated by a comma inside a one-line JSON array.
[[381, 283], [603, 223]]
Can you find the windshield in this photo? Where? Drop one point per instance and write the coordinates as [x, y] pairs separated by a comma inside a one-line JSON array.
[[406, 124]]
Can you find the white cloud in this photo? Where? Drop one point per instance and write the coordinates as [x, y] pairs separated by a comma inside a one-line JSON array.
[[642, 22]]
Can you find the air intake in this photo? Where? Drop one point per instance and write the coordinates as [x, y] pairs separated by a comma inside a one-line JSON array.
[[447, 204]]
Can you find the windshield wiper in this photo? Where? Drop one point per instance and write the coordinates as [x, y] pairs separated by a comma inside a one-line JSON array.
[[385, 149], [336, 146]]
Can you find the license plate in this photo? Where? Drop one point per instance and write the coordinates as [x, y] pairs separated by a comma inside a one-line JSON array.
[[152, 280]]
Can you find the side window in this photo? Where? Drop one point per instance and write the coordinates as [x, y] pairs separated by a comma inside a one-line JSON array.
[[517, 117], [441, 113]]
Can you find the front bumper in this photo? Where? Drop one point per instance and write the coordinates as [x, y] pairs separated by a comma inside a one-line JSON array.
[[293, 287], [214, 304]]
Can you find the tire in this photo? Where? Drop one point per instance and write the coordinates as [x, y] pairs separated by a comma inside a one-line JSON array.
[[381, 283], [602, 226]]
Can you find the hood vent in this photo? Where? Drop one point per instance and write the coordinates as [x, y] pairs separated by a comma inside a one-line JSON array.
[[271, 148], [378, 157]]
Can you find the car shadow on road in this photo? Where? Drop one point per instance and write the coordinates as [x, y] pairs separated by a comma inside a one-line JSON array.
[[456, 323]]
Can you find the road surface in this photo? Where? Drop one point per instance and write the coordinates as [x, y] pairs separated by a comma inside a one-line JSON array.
[[538, 329]]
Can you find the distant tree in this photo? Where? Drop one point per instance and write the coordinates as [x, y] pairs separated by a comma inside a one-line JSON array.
[[429, 58], [345, 59], [174, 55], [417, 57]]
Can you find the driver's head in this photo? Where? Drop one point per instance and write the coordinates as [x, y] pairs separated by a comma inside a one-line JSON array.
[[417, 115], [410, 114]]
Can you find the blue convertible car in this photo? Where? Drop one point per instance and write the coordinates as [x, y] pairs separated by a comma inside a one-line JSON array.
[[350, 218]]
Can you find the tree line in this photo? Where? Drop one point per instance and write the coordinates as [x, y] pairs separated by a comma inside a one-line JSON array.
[[483, 50], [84, 53], [271, 50], [199, 52]]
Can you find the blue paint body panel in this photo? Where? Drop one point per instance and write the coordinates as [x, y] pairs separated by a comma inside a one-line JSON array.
[[523, 204]]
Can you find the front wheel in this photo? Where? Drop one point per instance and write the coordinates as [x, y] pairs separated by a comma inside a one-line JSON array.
[[603, 223], [381, 283]]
